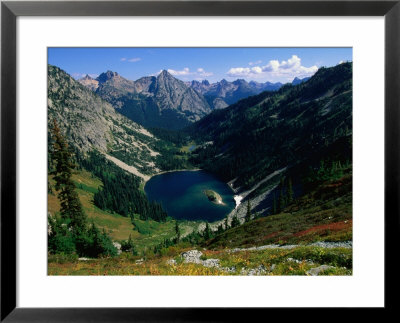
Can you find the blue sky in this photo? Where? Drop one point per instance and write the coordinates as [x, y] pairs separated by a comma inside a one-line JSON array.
[[213, 64]]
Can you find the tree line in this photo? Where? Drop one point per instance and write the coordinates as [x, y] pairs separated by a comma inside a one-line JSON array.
[[196, 238], [285, 196], [69, 231], [120, 192]]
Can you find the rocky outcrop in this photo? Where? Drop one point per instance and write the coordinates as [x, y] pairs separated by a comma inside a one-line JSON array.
[[89, 82], [319, 270], [193, 256], [197, 257], [89, 122], [117, 245]]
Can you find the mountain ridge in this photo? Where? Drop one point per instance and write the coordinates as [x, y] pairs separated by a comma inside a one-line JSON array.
[[167, 102], [89, 123], [278, 129], [224, 93], [161, 101]]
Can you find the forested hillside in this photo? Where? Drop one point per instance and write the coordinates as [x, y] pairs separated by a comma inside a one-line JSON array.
[[261, 134]]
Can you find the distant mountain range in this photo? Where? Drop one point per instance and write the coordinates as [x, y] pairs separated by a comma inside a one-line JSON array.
[[161, 101], [222, 94], [166, 102]]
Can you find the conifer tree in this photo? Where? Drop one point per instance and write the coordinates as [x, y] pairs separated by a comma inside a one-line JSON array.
[[177, 231], [128, 246], [207, 232], [248, 213], [281, 202], [235, 221], [226, 223], [290, 191], [274, 206], [71, 207]]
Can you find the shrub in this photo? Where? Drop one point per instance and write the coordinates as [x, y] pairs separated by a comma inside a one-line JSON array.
[[127, 246]]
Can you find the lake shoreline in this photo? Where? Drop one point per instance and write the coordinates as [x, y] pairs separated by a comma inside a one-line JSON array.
[[237, 197], [184, 188], [172, 171]]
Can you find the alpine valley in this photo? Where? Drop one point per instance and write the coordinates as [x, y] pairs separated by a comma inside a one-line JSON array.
[[159, 176]]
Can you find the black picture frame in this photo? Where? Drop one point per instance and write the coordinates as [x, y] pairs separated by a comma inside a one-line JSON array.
[[10, 10]]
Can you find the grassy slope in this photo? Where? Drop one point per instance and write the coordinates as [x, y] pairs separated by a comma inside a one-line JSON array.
[[325, 214], [118, 227], [277, 261]]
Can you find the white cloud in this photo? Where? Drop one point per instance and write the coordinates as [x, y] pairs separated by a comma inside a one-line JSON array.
[[185, 71], [245, 71], [255, 63], [285, 70], [202, 73], [131, 60], [134, 59]]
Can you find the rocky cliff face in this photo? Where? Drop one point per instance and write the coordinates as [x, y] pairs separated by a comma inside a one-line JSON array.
[[89, 82], [161, 101], [171, 93], [89, 122], [145, 84]]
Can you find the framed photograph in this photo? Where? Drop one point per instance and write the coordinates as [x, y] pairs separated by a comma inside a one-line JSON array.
[[162, 158]]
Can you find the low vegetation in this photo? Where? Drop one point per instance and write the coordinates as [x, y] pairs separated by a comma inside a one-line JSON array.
[[297, 261]]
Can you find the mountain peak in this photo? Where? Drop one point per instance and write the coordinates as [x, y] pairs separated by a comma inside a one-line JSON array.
[[87, 77], [239, 82], [297, 80], [89, 82], [104, 77], [165, 76], [165, 73]]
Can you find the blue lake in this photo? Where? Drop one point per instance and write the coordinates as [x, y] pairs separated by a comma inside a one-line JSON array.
[[181, 195]]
